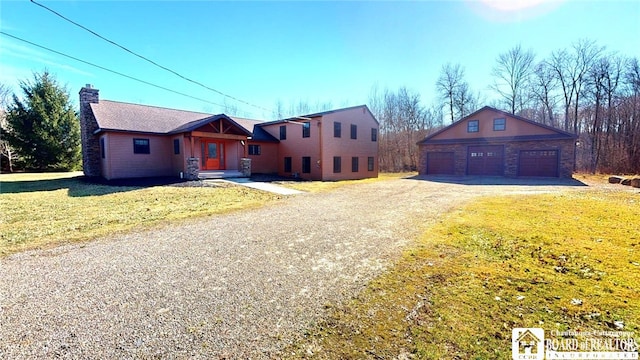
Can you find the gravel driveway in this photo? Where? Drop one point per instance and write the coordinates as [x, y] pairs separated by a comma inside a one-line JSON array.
[[241, 285]]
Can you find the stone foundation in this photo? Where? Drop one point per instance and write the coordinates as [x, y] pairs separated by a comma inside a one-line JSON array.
[[245, 167], [193, 169]]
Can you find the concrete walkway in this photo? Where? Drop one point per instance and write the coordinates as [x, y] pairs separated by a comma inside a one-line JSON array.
[[264, 186]]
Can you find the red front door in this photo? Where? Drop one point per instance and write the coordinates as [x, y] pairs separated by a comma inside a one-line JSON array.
[[212, 155]]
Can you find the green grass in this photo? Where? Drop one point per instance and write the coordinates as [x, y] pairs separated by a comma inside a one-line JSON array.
[[43, 210], [320, 186], [499, 263]]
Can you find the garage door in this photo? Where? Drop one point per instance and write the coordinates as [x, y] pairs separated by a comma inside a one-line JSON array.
[[440, 163], [485, 160], [538, 163]]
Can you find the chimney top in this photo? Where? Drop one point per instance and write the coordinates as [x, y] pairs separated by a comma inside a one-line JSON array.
[[89, 86]]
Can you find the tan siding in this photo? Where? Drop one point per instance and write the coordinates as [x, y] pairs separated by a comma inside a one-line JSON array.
[[514, 127]]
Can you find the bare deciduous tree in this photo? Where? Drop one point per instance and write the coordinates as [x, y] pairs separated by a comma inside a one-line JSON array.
[[6, 152], [543, 85], [512, 74], [571, 69], [449, 85]]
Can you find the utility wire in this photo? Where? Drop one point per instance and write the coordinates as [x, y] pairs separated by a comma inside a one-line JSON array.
[[147, 59], [109, 70]]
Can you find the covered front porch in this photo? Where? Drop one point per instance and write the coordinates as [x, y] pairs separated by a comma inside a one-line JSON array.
[[216, 147]]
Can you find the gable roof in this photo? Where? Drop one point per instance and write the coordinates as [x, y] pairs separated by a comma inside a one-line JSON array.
[[559, 134], [319, 114], [198, 123]]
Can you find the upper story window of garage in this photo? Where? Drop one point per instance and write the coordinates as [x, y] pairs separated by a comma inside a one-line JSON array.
[[473, 126], [499, 124]]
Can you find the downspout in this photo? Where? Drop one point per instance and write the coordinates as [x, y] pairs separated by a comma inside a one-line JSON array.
[[320, 145]]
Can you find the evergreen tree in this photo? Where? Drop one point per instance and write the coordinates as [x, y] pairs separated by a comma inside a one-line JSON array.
[[43, 128]]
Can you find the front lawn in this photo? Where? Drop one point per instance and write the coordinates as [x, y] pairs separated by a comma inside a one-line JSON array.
[[40, 210], [554, 261]]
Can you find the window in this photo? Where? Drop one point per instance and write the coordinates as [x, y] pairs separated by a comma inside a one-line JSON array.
[[354, 164], [176, 146], [306, 129], [283, 132], [370, 163], [354, 131], [306, 164], [287, 164], [499, 124], [337, 129], [102, 155], [254, 150], [141, 146], [473, 126], [337, 164], [374, 134]]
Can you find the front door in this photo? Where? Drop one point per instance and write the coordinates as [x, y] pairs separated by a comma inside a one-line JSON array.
[[212, 155]]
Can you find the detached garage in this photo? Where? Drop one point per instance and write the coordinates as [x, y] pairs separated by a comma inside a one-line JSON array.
[[491, 142]]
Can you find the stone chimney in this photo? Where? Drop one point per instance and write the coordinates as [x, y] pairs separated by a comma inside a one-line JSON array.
[[88, 125]]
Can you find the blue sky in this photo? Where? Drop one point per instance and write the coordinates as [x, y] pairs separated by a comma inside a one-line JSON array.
[[262, 52]]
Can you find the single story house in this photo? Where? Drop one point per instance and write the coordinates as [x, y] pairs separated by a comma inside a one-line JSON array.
[[123, 140], [496, 143]]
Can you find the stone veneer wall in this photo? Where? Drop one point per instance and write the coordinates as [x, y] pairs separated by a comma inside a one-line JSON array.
[[88, 124], [511, 154]]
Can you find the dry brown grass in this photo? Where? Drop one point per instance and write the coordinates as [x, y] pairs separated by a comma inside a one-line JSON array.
[[43, 210]]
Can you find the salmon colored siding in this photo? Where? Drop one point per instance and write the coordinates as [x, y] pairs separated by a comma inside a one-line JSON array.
[[178, 161], [345, 147], [267, 161], [485, 119], [297, 147], [321, 146], [119, 146], [176, 136]]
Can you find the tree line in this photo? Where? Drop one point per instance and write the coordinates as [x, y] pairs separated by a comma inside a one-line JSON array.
[[583, 89]]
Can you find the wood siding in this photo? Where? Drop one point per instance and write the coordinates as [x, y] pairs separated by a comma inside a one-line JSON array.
[[513, 127], [345, 147], [121, 162]]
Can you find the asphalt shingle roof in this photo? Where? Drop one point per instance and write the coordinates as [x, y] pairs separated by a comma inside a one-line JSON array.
[[113, 115]]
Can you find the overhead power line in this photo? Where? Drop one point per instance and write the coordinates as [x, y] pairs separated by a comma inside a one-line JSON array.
[[147, 59], [109, 70]]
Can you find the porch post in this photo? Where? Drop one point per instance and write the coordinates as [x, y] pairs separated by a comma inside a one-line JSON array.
[[193, 168]]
